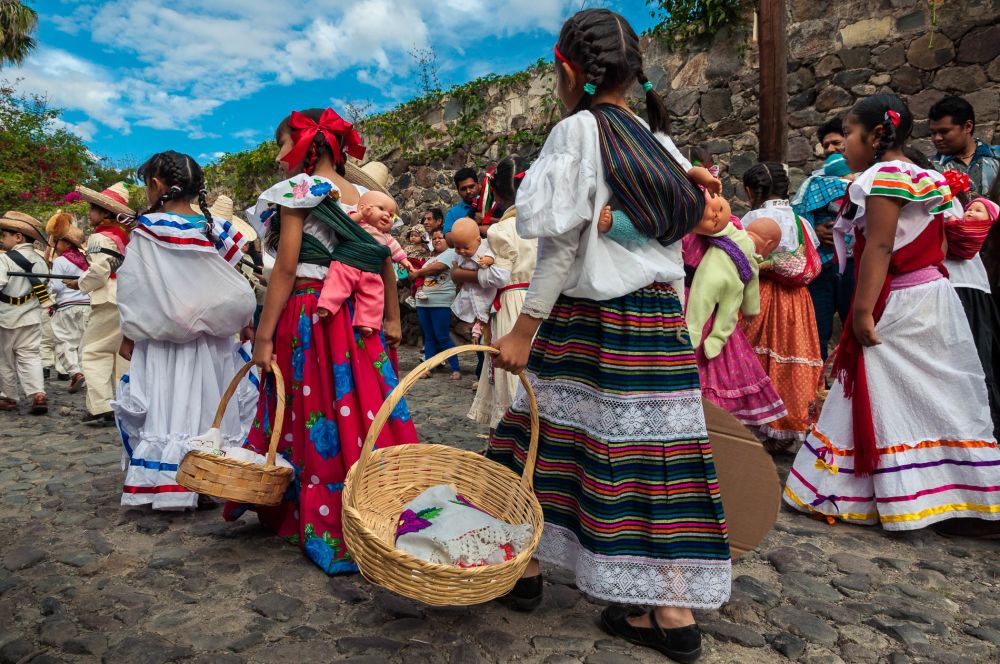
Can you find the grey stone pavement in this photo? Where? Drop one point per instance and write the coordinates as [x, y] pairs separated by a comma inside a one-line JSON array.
[[83, 579]]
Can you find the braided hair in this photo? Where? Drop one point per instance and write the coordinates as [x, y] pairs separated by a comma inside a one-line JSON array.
[[766, 180], [606, 48], [184, 181], [877, 111], [506, 180], [319, 146]]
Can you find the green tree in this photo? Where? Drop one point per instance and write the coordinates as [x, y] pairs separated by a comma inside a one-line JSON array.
[[683, 19], [17, 23], [39, 162], [243, 175]]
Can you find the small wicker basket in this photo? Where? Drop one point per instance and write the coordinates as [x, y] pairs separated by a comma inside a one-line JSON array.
[[382, 482], [231, 479]]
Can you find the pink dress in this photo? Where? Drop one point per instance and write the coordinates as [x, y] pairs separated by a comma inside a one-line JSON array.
[[735, 381]]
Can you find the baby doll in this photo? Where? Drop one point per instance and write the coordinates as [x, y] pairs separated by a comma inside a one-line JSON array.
[[374, 214], [473, 303], [623, 232], [765, 234], [967, 235], [726, 279]]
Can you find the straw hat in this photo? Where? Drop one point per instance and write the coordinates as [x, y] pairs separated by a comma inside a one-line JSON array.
[[74, 236], [374, 175], [113, 199], [20, 222], [222, 207]]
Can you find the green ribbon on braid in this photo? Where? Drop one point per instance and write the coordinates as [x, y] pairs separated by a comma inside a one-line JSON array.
[[355, 246]]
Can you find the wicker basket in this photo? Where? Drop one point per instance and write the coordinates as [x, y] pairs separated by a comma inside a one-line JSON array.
[[382, 482], [235, 480]]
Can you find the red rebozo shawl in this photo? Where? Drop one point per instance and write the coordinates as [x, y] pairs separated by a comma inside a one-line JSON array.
[[849, 364]]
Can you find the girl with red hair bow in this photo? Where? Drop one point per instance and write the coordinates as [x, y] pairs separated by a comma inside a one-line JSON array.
[[334, 378]]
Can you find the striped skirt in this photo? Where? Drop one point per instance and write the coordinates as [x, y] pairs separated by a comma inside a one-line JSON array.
[[625, 474], [937, 458]]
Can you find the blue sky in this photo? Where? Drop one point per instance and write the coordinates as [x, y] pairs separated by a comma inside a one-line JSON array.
[[139, 76]]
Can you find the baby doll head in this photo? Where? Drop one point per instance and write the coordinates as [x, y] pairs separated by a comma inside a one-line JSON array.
[[982, 209], [716, 216], [766, 234], [465, 237], [377, 210]]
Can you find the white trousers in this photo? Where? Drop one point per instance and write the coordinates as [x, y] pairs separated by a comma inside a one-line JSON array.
[[102, 367], [20, 360], [49, 354], [68, 326]]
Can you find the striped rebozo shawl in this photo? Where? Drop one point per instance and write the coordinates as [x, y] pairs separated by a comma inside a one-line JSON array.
[[654, 190]]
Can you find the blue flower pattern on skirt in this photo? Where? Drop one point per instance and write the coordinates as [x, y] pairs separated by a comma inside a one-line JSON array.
[[298, 363], [320, 553], [342, 381], [325, 438]]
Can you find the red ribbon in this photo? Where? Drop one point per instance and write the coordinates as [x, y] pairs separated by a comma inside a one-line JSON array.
[[500, 291], [957, 181], [562, 58], [333, 127], [893, 117]]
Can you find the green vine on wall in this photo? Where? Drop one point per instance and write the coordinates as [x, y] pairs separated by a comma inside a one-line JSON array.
[[680, 20], [405, 131]]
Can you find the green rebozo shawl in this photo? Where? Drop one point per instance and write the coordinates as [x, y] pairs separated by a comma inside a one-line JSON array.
[[355, 246]]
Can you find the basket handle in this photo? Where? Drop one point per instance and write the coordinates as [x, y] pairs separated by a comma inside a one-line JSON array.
[[414, 377], [279, 411]]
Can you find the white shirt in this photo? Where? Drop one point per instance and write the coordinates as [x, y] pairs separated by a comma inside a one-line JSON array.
[[19, 315], [968, 274], [64, 295], [559, 203], [781, 212]]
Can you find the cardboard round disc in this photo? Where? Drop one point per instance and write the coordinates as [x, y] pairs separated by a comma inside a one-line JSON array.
[[748, 480]]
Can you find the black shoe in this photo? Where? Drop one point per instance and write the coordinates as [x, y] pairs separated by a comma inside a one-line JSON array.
[[682, 644], [100, 420], [62, 376], [46, 372], [526, 594]]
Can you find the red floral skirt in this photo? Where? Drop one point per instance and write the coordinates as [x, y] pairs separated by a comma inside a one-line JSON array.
[[335, 382]]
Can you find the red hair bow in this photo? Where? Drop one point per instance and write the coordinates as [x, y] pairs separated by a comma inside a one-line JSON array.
[[957, 182], [336, 130], [893, 117]]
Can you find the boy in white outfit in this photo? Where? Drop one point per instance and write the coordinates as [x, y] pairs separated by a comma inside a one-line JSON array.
[[72, 308], [21, 300]]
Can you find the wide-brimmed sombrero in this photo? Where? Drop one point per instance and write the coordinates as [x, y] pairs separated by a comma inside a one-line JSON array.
[[374, 176], [222, 207], [25, 224], [114, 198]]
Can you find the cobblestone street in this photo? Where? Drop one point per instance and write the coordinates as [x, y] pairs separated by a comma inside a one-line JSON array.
[[83, 579]]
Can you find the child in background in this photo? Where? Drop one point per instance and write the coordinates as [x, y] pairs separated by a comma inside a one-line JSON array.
[[905, 437], [21, 302], [784, 335], [72, 308], [417, 252], [182, 303], [965, 236], [474, 301]]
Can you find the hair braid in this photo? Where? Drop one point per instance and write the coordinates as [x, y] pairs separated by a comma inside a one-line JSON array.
[[886, 141]]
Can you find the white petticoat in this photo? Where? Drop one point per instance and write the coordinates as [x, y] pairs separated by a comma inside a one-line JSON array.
[[169, 396]]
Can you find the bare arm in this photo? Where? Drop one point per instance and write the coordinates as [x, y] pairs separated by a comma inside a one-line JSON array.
[[882, 216], [391, 325], [432, 267], [279, 289], [515, 347]]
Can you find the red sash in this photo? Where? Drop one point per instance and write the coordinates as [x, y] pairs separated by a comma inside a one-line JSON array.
[[500, 291], [849, 364]]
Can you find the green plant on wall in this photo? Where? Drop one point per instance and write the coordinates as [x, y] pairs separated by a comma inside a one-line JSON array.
[[683, 19]]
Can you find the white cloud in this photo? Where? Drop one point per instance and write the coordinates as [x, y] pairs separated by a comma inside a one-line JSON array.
[[179, 62], [85, 130]]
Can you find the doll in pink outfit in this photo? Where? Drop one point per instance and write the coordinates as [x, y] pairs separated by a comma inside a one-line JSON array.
[[374, 214]]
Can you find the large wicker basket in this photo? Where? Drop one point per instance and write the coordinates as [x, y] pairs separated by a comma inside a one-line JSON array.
[[231, 479], [383, 481]]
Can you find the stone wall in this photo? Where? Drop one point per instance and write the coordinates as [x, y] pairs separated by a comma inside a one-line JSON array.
[[839, 51]]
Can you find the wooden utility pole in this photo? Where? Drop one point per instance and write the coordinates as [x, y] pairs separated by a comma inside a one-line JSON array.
[[773, 136]]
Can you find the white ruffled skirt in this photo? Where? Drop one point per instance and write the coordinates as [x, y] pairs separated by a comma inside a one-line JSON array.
[[171, 394]]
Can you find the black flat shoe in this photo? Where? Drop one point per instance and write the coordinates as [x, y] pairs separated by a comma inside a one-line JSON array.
[[526, 595], [100, 420], [682, 644]]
